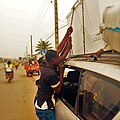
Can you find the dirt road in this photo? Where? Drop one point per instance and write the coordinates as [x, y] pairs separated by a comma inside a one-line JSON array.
[[16, 98]]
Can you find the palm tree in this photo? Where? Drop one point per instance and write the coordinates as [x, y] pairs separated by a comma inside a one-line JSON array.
[[43, 45]]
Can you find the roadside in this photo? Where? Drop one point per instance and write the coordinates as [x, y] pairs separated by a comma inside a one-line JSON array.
[[35, 77], [16, 99]]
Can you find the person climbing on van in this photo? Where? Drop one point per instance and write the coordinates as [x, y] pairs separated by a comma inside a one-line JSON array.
[[51, 79]]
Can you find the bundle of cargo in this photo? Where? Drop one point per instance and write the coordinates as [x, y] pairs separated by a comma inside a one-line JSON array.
[[110, 28]]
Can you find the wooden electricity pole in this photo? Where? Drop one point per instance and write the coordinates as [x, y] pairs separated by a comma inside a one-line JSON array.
[[31, 46], [26, 52], [56, 24]]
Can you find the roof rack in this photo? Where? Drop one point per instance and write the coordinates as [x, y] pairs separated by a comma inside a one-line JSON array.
[[108, 57]]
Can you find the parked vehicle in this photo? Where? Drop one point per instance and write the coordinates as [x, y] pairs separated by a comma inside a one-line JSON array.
[[91, 89], [32, 67], [92, 83]]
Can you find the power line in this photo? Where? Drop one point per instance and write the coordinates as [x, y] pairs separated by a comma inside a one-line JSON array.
[[54, 32], [41, 19], [39, 15], [37, 27], [58, 18]]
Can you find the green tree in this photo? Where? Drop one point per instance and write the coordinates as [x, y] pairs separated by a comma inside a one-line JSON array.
[[42, 45]]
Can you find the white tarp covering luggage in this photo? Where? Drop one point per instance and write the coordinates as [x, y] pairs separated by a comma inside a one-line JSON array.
[[93, 11], [111, 26]]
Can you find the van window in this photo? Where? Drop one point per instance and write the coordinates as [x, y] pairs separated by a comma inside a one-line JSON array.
[[70, 89], [99, 98]]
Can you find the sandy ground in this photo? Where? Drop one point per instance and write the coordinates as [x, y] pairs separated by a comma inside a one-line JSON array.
[[16, 98]]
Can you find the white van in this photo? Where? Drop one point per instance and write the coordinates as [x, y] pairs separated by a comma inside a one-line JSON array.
[[91, 89]]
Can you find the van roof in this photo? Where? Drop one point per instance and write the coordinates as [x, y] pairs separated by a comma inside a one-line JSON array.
[[107, 64], [109, 70]]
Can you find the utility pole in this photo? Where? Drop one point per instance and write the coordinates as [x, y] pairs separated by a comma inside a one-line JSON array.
[[26, 52], [56, 24], [31, 46]]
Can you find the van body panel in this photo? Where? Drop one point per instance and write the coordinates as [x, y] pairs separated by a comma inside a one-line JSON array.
[[98, 91], [63, 113]]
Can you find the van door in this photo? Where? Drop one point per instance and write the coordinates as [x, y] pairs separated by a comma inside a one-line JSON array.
[[63, 112], [99, 97], [65, 106]]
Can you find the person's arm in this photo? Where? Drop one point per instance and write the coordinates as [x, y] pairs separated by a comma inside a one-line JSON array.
[[60, 86], [66, 49], [63, 42]]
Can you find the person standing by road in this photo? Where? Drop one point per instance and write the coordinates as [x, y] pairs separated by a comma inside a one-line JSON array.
[[51, 79]]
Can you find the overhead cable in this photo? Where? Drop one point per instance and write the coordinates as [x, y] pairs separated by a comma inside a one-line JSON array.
[[41, 20], [54, 32], [39, 15]]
